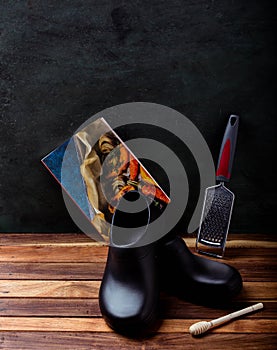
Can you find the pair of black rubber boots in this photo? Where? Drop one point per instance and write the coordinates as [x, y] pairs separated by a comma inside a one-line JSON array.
[[136, 271]]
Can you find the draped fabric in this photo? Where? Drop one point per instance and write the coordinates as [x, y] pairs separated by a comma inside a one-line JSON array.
[[91, 156]]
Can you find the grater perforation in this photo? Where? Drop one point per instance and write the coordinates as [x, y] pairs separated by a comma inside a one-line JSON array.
[[216, 216]]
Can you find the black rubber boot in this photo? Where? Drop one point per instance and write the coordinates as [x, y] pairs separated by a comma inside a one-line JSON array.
[[129, 292], [196, 278]]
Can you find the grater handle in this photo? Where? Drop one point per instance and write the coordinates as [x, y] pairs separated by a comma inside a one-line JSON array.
[[227, 150]]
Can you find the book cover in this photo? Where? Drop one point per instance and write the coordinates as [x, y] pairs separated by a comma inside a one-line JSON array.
[[96, 168]]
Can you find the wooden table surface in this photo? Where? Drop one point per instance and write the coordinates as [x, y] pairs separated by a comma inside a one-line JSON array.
[[49, 298]]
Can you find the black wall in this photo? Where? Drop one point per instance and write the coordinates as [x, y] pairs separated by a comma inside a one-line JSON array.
[[63, 61]]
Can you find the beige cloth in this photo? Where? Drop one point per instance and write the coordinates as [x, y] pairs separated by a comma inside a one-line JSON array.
[[91, 170]]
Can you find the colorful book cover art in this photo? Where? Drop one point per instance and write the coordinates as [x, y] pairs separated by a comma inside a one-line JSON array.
[[96, 169]]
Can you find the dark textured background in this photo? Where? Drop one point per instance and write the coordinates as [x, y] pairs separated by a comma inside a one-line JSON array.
[[63, 61]]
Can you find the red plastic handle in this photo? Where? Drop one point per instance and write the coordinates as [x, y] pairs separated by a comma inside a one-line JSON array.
[[227, 150], [223, 167]]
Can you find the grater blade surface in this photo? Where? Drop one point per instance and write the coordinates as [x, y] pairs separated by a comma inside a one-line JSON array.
[[215, 220]]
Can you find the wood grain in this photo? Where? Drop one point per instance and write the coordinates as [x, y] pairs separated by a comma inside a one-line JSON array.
[[49, 287], [97, 254], [170, 307], [52, 271], [173, 307], [55, 253], [89, 289], [250, 270], [103, 341], [71, 324], [77, 307], [238, 240]]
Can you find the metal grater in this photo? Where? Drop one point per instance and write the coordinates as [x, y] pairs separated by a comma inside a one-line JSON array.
[[218, 202]]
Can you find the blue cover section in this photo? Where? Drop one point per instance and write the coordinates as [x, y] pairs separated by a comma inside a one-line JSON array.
[[54, 160], [64, 164]]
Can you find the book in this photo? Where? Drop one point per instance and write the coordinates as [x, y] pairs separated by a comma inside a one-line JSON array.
[[96, 168]]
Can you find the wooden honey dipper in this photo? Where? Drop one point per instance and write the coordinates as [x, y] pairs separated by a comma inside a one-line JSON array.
[[202, 326]]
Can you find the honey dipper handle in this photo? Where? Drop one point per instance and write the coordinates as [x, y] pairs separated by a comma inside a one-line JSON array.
[[235, 314]]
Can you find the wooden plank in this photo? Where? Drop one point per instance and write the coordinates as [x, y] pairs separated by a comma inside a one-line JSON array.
[[237, 240], [89, 289], [258, 291], [251, 243], [49, 307], [49, 289], [240, 244], [104, 341], [52, 271], [170, 307], [237, 326], [52, 324], [10, 239], [173, 307], [256, 270], [53, 254], [247, 255], [250, 271], [99, 254]]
